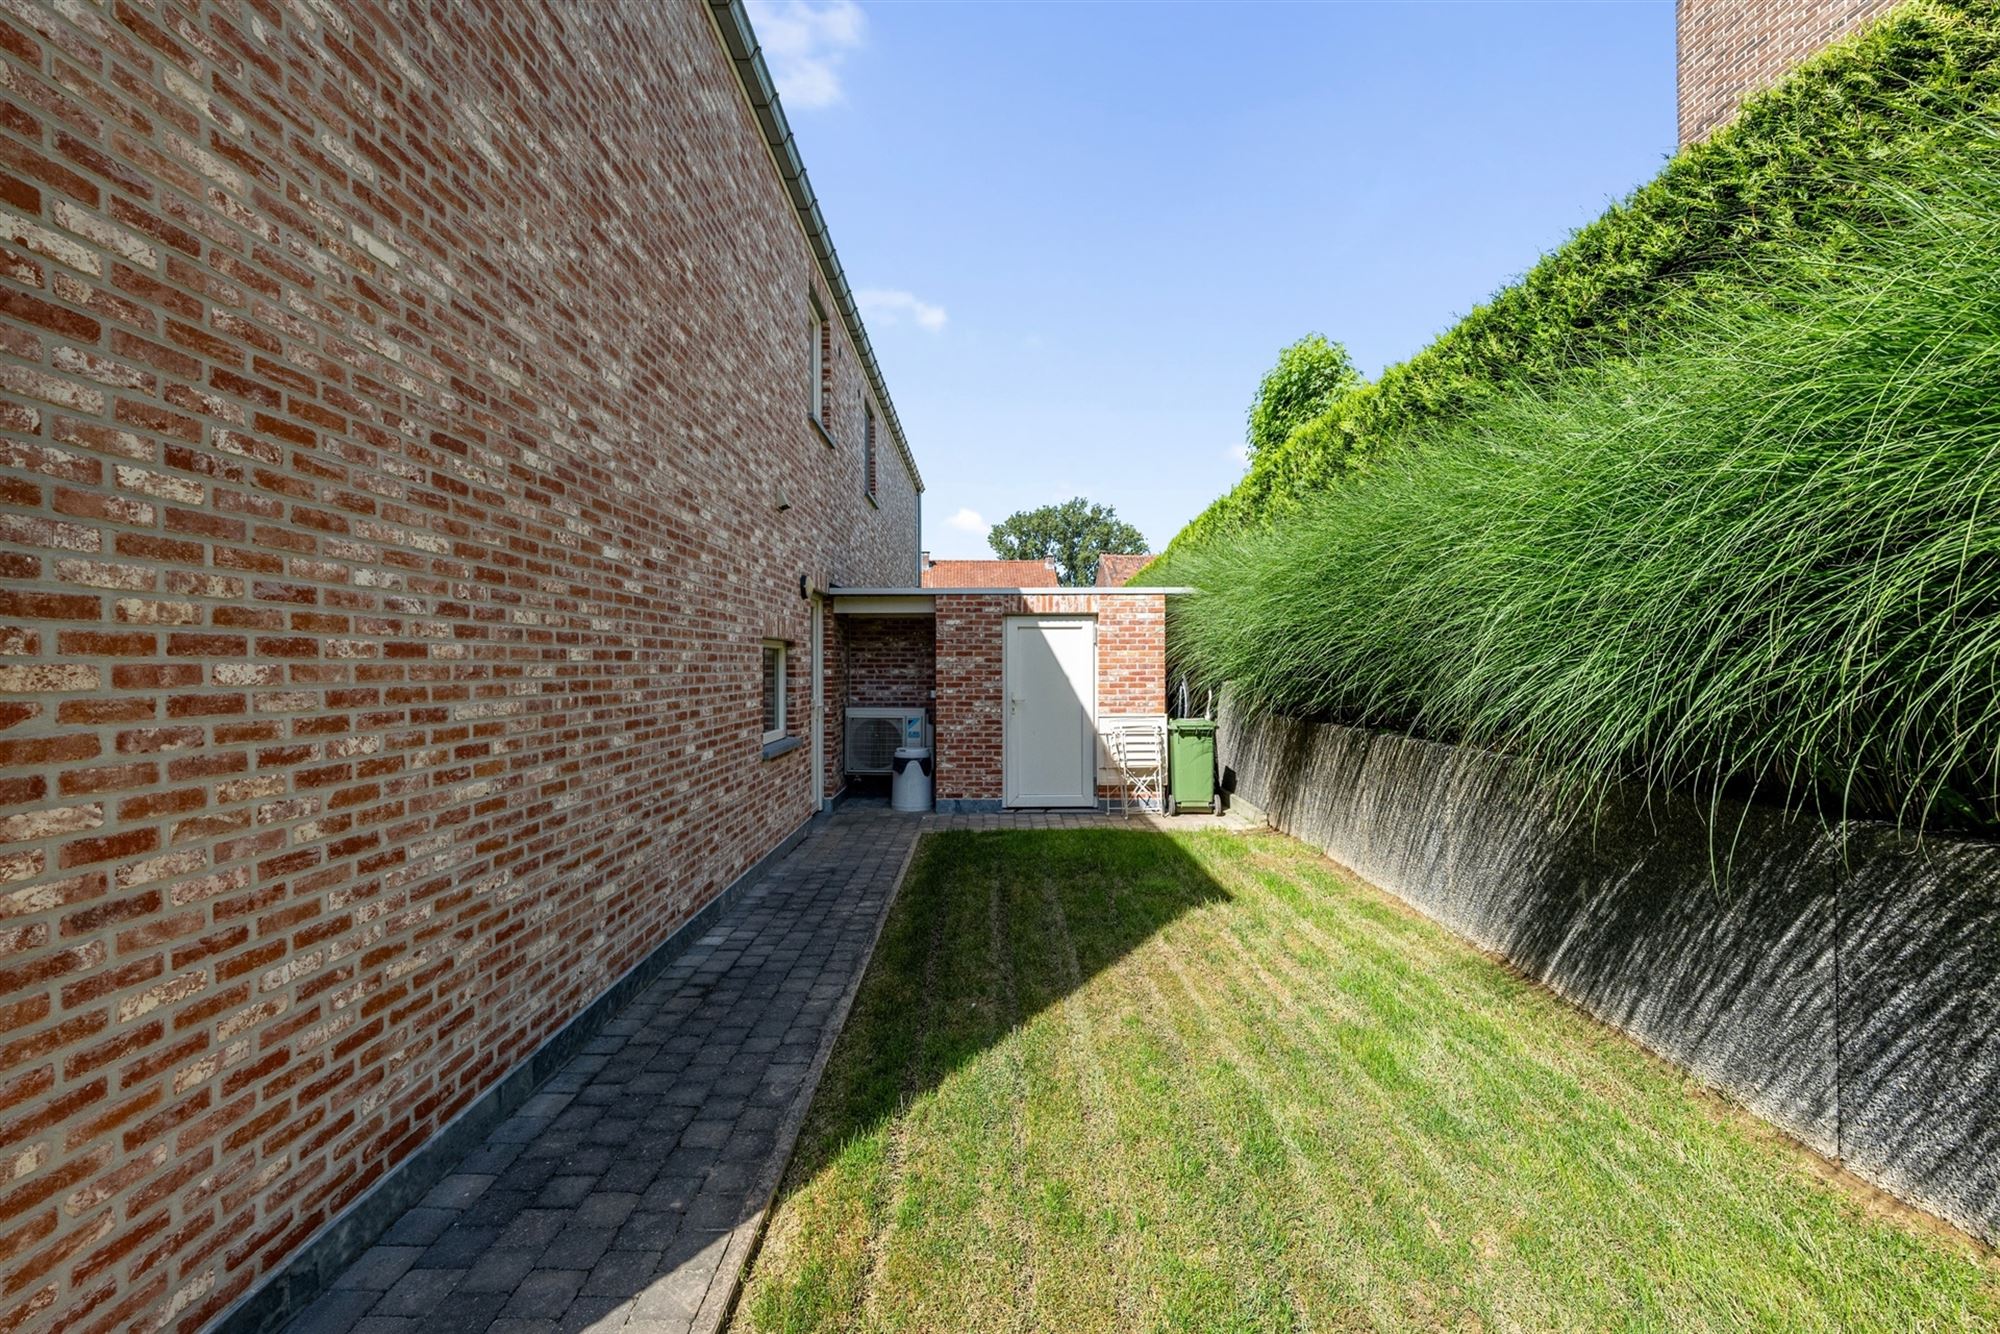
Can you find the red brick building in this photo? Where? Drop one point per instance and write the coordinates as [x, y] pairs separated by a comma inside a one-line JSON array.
[[428, 435], [1115, 570], [1730, 50], [958, 665]]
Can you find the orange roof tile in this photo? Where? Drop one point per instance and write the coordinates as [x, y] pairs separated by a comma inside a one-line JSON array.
[[989, 574]]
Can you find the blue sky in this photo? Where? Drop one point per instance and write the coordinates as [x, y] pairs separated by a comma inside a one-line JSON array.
[[1082, 231]]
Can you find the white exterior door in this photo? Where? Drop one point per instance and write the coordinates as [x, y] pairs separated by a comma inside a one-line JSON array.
[[1049, 680]]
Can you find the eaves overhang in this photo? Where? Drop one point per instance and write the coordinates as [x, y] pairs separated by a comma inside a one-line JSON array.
[[739, 40]]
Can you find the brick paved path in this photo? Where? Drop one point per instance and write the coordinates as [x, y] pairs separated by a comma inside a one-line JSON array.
[[626, 1194]]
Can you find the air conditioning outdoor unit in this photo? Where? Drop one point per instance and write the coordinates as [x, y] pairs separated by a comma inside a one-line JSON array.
[[874, 734]]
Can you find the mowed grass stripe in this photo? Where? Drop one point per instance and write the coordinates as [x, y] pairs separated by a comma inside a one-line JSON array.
[[1216, 1243], [1084, 1237], [1112, 1080], [1404, 1223], [1630, 1151], [942, 1251], [1327, 1275], [1324, 1076], [1615, 1153]]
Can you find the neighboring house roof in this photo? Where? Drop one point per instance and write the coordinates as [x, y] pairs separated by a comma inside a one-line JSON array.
[[990, 574], [740, 41], [1114, 570]]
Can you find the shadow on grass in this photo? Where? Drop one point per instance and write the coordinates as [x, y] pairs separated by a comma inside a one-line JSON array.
[[628, 1183], [990, 929]]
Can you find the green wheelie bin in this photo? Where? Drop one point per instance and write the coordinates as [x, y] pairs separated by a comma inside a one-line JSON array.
[[1191, 766]]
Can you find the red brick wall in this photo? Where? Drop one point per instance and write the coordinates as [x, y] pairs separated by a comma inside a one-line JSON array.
[[1132, 654], [891, 662], [968, 695], [388, 524], [833, 776], [1730, 50], [1131, 673]]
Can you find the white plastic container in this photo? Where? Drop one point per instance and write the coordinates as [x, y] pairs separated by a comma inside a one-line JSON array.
[[910, 790]]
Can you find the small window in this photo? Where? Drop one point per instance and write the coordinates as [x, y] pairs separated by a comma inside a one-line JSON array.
[[868, 449], [816, 341], [774, 691]]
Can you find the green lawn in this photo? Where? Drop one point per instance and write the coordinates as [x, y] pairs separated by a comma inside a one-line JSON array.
[[1110, 1079]]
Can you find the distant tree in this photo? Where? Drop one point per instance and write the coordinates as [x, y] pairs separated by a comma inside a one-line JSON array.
[[1073, 535], [1309, 376]]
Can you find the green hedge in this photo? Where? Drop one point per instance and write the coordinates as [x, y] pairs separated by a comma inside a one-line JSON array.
[[1785, 173], [1761, 556]]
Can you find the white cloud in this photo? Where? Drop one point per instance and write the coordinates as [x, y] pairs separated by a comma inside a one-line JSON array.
[[805, 42], [889, 307], [968, 521], [1238, 454]]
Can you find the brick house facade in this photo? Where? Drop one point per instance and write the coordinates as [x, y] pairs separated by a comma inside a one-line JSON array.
[[1730, 50], [1115, 570], [404, 463]]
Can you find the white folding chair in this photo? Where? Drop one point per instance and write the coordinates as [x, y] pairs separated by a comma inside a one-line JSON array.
[[1139, 748]]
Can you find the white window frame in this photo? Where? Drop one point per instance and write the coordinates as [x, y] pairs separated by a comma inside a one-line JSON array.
[[784, 687]]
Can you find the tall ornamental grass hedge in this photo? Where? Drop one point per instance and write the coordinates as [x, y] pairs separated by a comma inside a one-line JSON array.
[[1762, 555], [1787, 173]]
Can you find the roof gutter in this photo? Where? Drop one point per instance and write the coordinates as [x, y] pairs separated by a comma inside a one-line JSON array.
[[733, 24]]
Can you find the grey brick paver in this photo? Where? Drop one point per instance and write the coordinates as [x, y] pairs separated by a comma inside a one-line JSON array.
[[419, 1292], [535, 1227], [623, 1193], [465, 1313], [379, 1268], [545, 1293], [578, 1247], [420, 1226], [501, 1269], [593, 1313], [622, 1273], [566, 1192], [458, 1190], [461, 1247], [337, 1310], [606, 1209], [649, 1232]]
